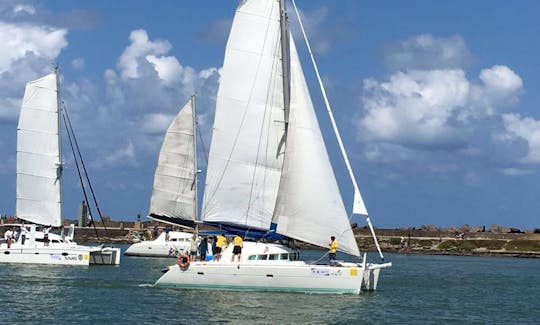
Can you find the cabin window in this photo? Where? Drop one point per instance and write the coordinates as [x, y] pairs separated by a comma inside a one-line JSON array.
[[252, 257], [262, 257], [274, 256], [284, 256]]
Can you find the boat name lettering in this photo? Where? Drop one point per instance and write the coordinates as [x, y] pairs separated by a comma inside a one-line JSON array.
[[70, 258], [317, 271], [55, 257]]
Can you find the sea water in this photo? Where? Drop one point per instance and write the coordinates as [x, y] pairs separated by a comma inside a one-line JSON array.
[[418, 289]]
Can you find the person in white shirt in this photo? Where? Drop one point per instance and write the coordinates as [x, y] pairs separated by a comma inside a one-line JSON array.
[[8, 234]]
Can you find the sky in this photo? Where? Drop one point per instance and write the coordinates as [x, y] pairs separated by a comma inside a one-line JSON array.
[[437, 101]]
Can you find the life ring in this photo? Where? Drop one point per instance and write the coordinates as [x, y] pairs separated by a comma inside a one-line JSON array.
[[183, 261]]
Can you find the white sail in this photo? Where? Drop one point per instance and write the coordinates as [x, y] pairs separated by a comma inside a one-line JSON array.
[[39, 165], [174, 191], [309, 205], [245, 157]]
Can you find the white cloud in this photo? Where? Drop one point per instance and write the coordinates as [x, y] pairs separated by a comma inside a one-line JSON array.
[[501, 83], [156, 123], [427, 52], [22, 8], [321, 34], [527, 129], [138, 50], [418, 108], [138, 101], [433, 109], [168, 68], [78, 63], [19, 41], [119, 157], [515, 171], [28, 52]]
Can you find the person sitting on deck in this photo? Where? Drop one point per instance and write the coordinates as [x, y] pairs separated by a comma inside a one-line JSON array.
[[333, 250], [237, 249]]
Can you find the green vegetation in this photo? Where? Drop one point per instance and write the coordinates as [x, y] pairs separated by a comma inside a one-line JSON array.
[[426, 243], [523, 245], [395, 241]]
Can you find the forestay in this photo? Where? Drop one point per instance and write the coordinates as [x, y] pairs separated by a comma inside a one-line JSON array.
[[39, 165], [174, 193], [245, 157]]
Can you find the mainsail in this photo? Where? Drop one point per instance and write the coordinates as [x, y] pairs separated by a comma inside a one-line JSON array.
[[245, 158], [39, 166], [175, 188]]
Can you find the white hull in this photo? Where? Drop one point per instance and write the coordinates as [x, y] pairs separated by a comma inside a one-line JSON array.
[[273, 275], [160, 247], [74, 255], [59, 251]]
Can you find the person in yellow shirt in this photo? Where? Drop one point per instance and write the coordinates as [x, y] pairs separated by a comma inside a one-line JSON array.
[[237, 249], [221, 243], [333, 250]]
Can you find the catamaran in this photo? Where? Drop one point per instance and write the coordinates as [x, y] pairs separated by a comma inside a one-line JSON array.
[[269, 174], [39, 187], [174, 193]]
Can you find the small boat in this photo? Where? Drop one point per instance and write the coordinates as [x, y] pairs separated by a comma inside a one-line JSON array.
[[39, 187], [178, 242], [269, 175], [174, 194]]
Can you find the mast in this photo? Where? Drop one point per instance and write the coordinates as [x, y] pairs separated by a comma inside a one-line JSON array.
[[358, 204], [285, 62], [196, 171], [60, 164]]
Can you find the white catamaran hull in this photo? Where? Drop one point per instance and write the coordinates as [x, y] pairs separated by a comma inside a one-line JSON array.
[[179, 242], [68, 255], [283, 273], [299, 277], [61, 250]]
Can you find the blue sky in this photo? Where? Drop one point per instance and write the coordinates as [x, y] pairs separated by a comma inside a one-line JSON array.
[[437, 101]]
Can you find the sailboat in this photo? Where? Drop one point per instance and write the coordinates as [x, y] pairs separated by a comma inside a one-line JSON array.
[[174, 194], [39, 187], [269, 173]]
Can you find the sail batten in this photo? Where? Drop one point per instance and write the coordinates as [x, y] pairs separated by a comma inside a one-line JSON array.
[[174, 192], [38, 198]]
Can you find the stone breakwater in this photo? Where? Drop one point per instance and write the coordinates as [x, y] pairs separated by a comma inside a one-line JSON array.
[[446, 242], [465, 240]]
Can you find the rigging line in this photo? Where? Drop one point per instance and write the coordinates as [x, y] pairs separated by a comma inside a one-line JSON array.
[[358, 202], [84, 169], [79, 173]]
